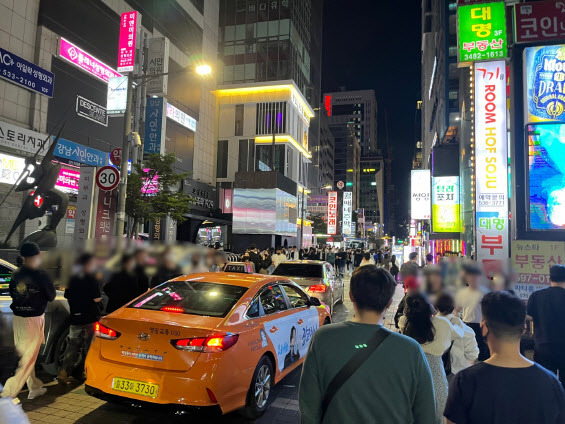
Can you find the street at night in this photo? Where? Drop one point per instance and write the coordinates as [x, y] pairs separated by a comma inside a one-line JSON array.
[[282, 211]]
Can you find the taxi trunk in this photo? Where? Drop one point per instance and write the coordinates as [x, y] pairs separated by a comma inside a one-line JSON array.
[[147, 338]]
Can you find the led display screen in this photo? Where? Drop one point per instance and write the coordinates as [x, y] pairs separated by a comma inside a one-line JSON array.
[[546, 186], [445, 205]]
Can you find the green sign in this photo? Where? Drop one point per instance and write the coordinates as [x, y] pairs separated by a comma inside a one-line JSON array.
[[482, 32]]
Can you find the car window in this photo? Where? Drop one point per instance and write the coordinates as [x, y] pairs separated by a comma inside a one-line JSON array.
[[299, 270], [296, 297], [191, 297], [5, 277], [253, 311], [272, 300]]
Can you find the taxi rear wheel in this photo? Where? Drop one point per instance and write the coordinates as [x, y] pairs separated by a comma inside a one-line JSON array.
[[260, 390]]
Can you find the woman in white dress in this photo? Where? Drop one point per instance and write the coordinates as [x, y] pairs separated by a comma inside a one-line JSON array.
[[435, 334]]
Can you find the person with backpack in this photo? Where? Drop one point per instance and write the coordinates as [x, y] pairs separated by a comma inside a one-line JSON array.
[[394, 270], [345, 385]]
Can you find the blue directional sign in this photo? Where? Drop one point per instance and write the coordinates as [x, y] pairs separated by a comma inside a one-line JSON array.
[[26, 74], [77, 153]]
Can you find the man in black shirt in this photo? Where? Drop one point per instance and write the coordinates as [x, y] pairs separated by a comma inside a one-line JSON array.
[[84, 296], [140, 274], [546, 308], [507, 387], [31, 289]]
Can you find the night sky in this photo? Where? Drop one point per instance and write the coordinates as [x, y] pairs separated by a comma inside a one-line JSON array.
[[371, 44]]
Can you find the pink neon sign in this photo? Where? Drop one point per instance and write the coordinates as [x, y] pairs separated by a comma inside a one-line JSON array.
[[68, 181], [86, 62], [126, 50]]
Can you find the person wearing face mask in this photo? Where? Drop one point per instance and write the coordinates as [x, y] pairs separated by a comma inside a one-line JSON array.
[[167, 269], [122, 287], [84, 296], [31, 289]]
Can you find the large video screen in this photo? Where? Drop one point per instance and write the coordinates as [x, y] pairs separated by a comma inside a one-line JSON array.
[[546, 144]]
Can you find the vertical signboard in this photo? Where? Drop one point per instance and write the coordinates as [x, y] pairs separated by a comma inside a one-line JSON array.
[[491, 157], [117, 98], [347, 211], [158, 63], [154, 126], [85, 202], [445, 205], [332, 212], [106, 214], [531, 261], [481, 32], [420, 205], [126, 47]]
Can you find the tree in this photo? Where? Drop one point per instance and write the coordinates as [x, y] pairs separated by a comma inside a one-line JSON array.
[[153, 191]]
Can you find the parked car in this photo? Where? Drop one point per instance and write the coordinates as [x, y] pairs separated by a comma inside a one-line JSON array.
[[56, 322], [317, 278]]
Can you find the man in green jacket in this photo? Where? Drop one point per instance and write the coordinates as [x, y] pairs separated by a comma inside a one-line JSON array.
[[393, 386]]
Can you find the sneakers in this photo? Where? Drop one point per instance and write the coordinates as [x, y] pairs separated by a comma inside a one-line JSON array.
[[36, 393]]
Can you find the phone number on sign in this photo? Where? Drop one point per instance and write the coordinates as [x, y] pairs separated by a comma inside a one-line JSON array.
[[533, 278]]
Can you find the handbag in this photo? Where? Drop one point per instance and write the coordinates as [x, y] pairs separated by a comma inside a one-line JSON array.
[[351, 367]]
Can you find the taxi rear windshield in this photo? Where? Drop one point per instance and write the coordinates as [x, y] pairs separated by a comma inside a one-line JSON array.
[[191, 297], [299, 270]]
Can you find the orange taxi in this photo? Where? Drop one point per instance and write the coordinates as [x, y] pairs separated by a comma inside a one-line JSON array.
[[207, 341]]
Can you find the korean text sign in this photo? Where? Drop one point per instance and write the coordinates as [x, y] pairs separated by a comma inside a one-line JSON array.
[[78, 153], [347, 211], [22, 139], [26, 74], [180, 117], [126, 47], [539, 21], [86, 62], [491, 155], [544, 71], [482, 32], [445, 205], [420, 204], [154, 126], [332, 212], [531, 261]]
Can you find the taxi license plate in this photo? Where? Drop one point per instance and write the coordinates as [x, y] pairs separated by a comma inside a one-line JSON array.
[[140, 388]]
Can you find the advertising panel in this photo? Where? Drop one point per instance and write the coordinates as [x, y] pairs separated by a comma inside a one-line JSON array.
[[544, 71], [22, 139], [85, 62], [491, 156], [79, 154], [539, 21], [420, 201], [347, 211], [92, 111], [26, 74], [482, 32], [531, 261], [158, 63], [116, 101], [105, 214], [445, 205], [332, 212], [180, 117], [546, 176], [68, 181], [11, 167], [155, 123], [85, 209], [126, 47]]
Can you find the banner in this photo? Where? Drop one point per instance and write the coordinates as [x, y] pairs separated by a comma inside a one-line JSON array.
[[332, 212], [22, 139], [539, 21], [531, 261], [26, 74], [154, 126], [445, 205], [347, 211], [158, 63], [85, 62], [491, 158], [92, 111], [420, 201], [129, 27], [117, 98]]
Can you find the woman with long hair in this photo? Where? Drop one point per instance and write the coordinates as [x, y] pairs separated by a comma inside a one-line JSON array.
[[435, 334]]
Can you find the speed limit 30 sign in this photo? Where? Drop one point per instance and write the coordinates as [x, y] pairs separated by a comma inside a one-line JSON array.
[[107, 178]]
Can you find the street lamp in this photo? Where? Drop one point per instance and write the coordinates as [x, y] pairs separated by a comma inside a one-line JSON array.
[[203, 70]]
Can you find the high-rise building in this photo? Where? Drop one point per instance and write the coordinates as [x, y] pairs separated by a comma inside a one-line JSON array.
[[347, 159], [372, 191]]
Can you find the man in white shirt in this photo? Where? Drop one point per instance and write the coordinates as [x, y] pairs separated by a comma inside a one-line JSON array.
[[278, 257], [469, 300], [465, 351]]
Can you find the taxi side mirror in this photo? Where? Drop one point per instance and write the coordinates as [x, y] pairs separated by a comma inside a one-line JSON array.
[[314, 301]]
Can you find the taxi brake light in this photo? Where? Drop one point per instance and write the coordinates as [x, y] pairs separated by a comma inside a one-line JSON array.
[[211, 395], [317, 288], [103, 332], [174, 309], [207, 345]]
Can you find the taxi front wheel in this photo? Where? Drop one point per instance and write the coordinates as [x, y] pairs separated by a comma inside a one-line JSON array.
[[258, 395]]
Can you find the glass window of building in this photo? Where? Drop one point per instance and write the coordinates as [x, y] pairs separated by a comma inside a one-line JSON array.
[[239, 109], [222, 163]]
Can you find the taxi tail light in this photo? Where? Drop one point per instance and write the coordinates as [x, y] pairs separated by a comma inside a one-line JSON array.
[[317, 288], [206, 344], [211, 395], [103, 332]]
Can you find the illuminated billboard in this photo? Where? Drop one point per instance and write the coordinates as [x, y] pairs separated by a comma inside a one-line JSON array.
[[481, 32], [347, 211], [332, 212], [445, 205], [420, 200], [491, 157], [546, 182], [544, 86]]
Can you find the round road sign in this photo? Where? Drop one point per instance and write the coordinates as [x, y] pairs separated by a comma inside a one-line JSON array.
[[340, 185], [107, 178]]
